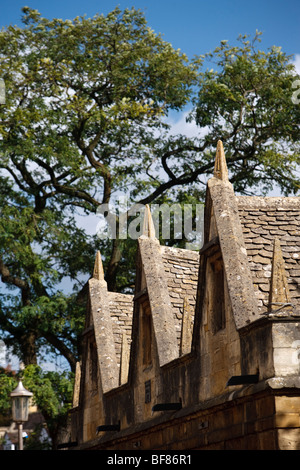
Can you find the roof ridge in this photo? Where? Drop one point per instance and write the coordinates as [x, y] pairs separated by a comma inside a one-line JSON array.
[[268, 201]]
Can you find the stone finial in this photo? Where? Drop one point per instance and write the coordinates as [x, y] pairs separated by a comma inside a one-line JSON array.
[[99, 304], [98, 272], [220, 170], [148, 227], [76, 391], [154, 278], [279, 297], [124, 362], [186, 329]]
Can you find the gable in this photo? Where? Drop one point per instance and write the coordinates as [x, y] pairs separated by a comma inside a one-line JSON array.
[[223, 223], [121, 312], [221, 298], [181, 271], [263, 220]]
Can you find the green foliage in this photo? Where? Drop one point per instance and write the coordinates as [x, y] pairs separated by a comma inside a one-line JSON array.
[[52, 391], [84, 101], [36, 441], [246, 100], [7, 384]]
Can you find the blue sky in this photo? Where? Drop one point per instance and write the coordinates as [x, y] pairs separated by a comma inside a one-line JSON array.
[[194, 26]]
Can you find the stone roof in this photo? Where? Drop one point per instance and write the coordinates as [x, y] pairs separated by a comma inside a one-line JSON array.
[[121, 311], [247, 230], [263, 220], [181, 268]]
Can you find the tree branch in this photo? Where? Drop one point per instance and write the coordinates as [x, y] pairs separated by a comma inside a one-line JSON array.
[[61, 347]]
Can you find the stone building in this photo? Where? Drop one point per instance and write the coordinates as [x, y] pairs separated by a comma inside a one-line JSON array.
[[205, 355]]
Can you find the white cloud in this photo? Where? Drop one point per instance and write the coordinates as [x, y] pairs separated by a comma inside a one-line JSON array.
[[181, 126], [6, 358], [188, 129], [296, 63]]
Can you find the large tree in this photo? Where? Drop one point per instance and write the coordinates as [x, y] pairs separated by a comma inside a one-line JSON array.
[[246, 99], [85, 118], [84, 103]]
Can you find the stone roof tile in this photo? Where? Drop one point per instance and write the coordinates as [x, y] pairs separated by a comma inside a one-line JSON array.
[[263, 219], [181, 268], [121, 312]]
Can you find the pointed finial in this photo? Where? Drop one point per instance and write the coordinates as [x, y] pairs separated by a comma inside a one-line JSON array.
[[124, 363], [220, 170], [98, 268], [148, 228], [186, 328], [76, 390], [279, 296]]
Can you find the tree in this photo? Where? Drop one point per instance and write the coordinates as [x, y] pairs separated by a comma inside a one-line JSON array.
[[85, 118], [246, 100], [52, 393], [7, 384], [84, 101]]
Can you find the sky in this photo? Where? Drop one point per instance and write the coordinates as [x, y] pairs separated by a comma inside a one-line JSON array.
[[194, 26]]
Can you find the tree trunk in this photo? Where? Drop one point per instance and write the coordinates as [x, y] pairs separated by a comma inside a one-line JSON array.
[[28, 348], [111, 275]]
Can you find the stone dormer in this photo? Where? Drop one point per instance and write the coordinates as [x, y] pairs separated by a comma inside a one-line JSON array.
[[205, 354], [265, 220]]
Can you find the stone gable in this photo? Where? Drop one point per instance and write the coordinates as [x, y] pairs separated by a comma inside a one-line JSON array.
[[205, 355], [121, 311], [181, 268], [263, 220]]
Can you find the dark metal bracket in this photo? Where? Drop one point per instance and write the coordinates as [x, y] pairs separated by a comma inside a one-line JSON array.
[[243, 379]]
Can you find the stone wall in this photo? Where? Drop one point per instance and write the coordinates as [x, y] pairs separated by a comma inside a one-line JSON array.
[[256, 421]]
